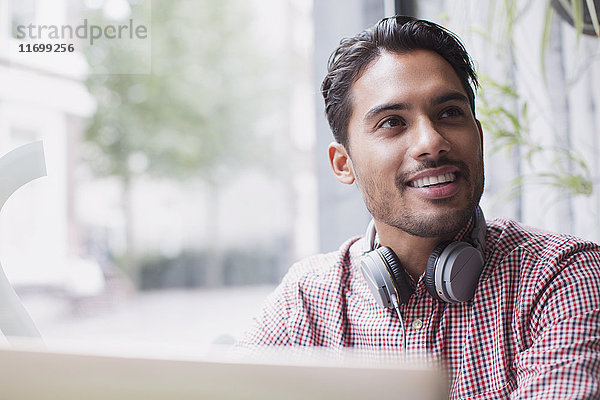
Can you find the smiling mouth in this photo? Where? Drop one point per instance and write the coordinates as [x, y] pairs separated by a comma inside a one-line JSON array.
[[433, 181]]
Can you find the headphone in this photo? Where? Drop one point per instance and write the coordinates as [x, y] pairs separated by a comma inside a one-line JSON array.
[[451, 275]]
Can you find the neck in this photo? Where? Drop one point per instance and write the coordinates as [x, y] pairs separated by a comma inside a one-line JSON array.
[[412, 251]]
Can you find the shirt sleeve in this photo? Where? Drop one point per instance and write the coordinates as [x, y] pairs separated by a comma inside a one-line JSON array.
[[563, 359], [270, 325]]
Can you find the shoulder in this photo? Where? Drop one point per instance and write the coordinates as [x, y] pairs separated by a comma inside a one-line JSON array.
[[534, 260], [310, 287], [549, 277], [543, 264], [505, 236], [321, 266]]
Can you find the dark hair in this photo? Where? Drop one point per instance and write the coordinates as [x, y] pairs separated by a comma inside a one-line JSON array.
[[397, 34]]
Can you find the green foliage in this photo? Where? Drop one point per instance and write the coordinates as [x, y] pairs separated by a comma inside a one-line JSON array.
[[200, 113], [510, 132], [575, 12], [505, 116], [196, 113], [509, 129], [546, 37], [574, 183]]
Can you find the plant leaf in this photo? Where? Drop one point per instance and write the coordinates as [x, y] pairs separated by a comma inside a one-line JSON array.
[[546, 38], [592, 9], [577, 7]]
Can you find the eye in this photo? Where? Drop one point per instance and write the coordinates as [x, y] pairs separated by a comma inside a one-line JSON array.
[[392, 122], [452, 112]]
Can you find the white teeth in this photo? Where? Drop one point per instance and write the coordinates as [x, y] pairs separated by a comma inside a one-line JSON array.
[[433, 180]]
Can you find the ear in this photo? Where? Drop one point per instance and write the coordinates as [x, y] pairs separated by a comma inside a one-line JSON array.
[[340, 163]]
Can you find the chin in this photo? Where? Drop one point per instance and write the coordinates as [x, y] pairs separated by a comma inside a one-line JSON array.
[[440, 223]]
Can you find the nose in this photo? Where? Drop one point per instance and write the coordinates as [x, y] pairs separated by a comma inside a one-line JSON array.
[[428, 142]]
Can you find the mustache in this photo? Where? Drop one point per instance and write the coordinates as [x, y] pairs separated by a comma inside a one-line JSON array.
[[463, 169]]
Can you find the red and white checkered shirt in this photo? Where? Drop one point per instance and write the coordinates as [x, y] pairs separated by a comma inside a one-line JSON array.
[[531, 331]]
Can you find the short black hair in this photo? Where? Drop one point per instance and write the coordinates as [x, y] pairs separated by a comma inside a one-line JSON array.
[[398, 34]]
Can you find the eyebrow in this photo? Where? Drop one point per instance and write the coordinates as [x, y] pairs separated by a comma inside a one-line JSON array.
[[444, 98], [385, 107], [450, 97]]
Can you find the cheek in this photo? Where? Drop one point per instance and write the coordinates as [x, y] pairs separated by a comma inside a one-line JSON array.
[[377, 156], [469, 146], [381, 166], [390, 153]]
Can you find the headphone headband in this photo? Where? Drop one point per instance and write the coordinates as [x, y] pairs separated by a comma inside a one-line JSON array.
[[370, 237]]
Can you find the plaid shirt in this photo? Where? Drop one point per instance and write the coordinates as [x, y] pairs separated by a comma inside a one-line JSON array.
[[531, 331]]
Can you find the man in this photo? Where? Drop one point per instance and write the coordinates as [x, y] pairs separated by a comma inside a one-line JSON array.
[[399, 98]]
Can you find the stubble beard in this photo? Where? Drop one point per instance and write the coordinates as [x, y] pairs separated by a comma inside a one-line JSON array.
[[378, 200]]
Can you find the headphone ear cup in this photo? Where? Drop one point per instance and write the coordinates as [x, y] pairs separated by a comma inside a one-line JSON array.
[[397, 273], [430, 269]]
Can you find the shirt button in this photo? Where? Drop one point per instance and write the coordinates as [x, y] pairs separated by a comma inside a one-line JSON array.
[[417, 324]]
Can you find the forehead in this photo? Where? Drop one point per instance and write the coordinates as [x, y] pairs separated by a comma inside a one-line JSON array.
[[410, 78]]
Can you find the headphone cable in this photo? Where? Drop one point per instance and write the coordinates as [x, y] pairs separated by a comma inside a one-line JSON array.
[[397, 308]]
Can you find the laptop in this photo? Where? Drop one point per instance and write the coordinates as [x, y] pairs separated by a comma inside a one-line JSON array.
[[30, 372]]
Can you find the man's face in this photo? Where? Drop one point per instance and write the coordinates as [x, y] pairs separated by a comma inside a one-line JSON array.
[[414, 146]]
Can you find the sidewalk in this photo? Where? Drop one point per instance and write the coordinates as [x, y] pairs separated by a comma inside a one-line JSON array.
[[191, 320]]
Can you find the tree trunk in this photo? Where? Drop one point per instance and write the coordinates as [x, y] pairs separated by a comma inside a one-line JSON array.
[[130, 264], [214, 276]]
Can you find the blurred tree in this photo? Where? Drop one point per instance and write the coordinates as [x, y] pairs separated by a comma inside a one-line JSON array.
[[195, 115]]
